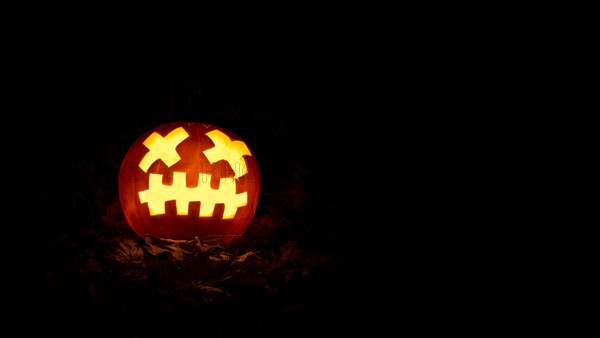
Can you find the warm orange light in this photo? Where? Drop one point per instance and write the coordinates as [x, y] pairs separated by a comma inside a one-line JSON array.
[[173, 178], [158, 194], [225, 149], [160, 148]]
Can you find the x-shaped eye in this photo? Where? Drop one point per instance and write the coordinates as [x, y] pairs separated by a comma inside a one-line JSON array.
[[230, 151], [163, 148]]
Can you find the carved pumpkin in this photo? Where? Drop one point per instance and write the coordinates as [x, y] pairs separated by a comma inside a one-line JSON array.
[[186, 179]]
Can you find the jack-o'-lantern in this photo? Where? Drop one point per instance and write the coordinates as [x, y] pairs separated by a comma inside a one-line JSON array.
[[186, 179]]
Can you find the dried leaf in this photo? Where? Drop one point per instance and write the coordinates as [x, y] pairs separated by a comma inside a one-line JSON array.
[[207, 288], [156, 250], [176, 248], [242, 258], [178, 254], [215, 258], [129, 252], [210, 243]]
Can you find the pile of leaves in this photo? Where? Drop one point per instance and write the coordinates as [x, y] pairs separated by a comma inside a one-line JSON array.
[[266, 279]]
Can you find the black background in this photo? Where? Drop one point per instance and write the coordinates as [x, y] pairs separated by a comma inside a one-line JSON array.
[[395, 100], [327, 126]]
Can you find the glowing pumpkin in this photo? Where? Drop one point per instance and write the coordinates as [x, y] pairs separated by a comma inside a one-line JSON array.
[[185, 179]]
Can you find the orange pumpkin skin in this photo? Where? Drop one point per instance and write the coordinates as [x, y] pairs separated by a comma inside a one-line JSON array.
[[186, 179]]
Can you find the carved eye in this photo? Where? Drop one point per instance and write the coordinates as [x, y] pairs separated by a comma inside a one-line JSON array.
[[186, 179]]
